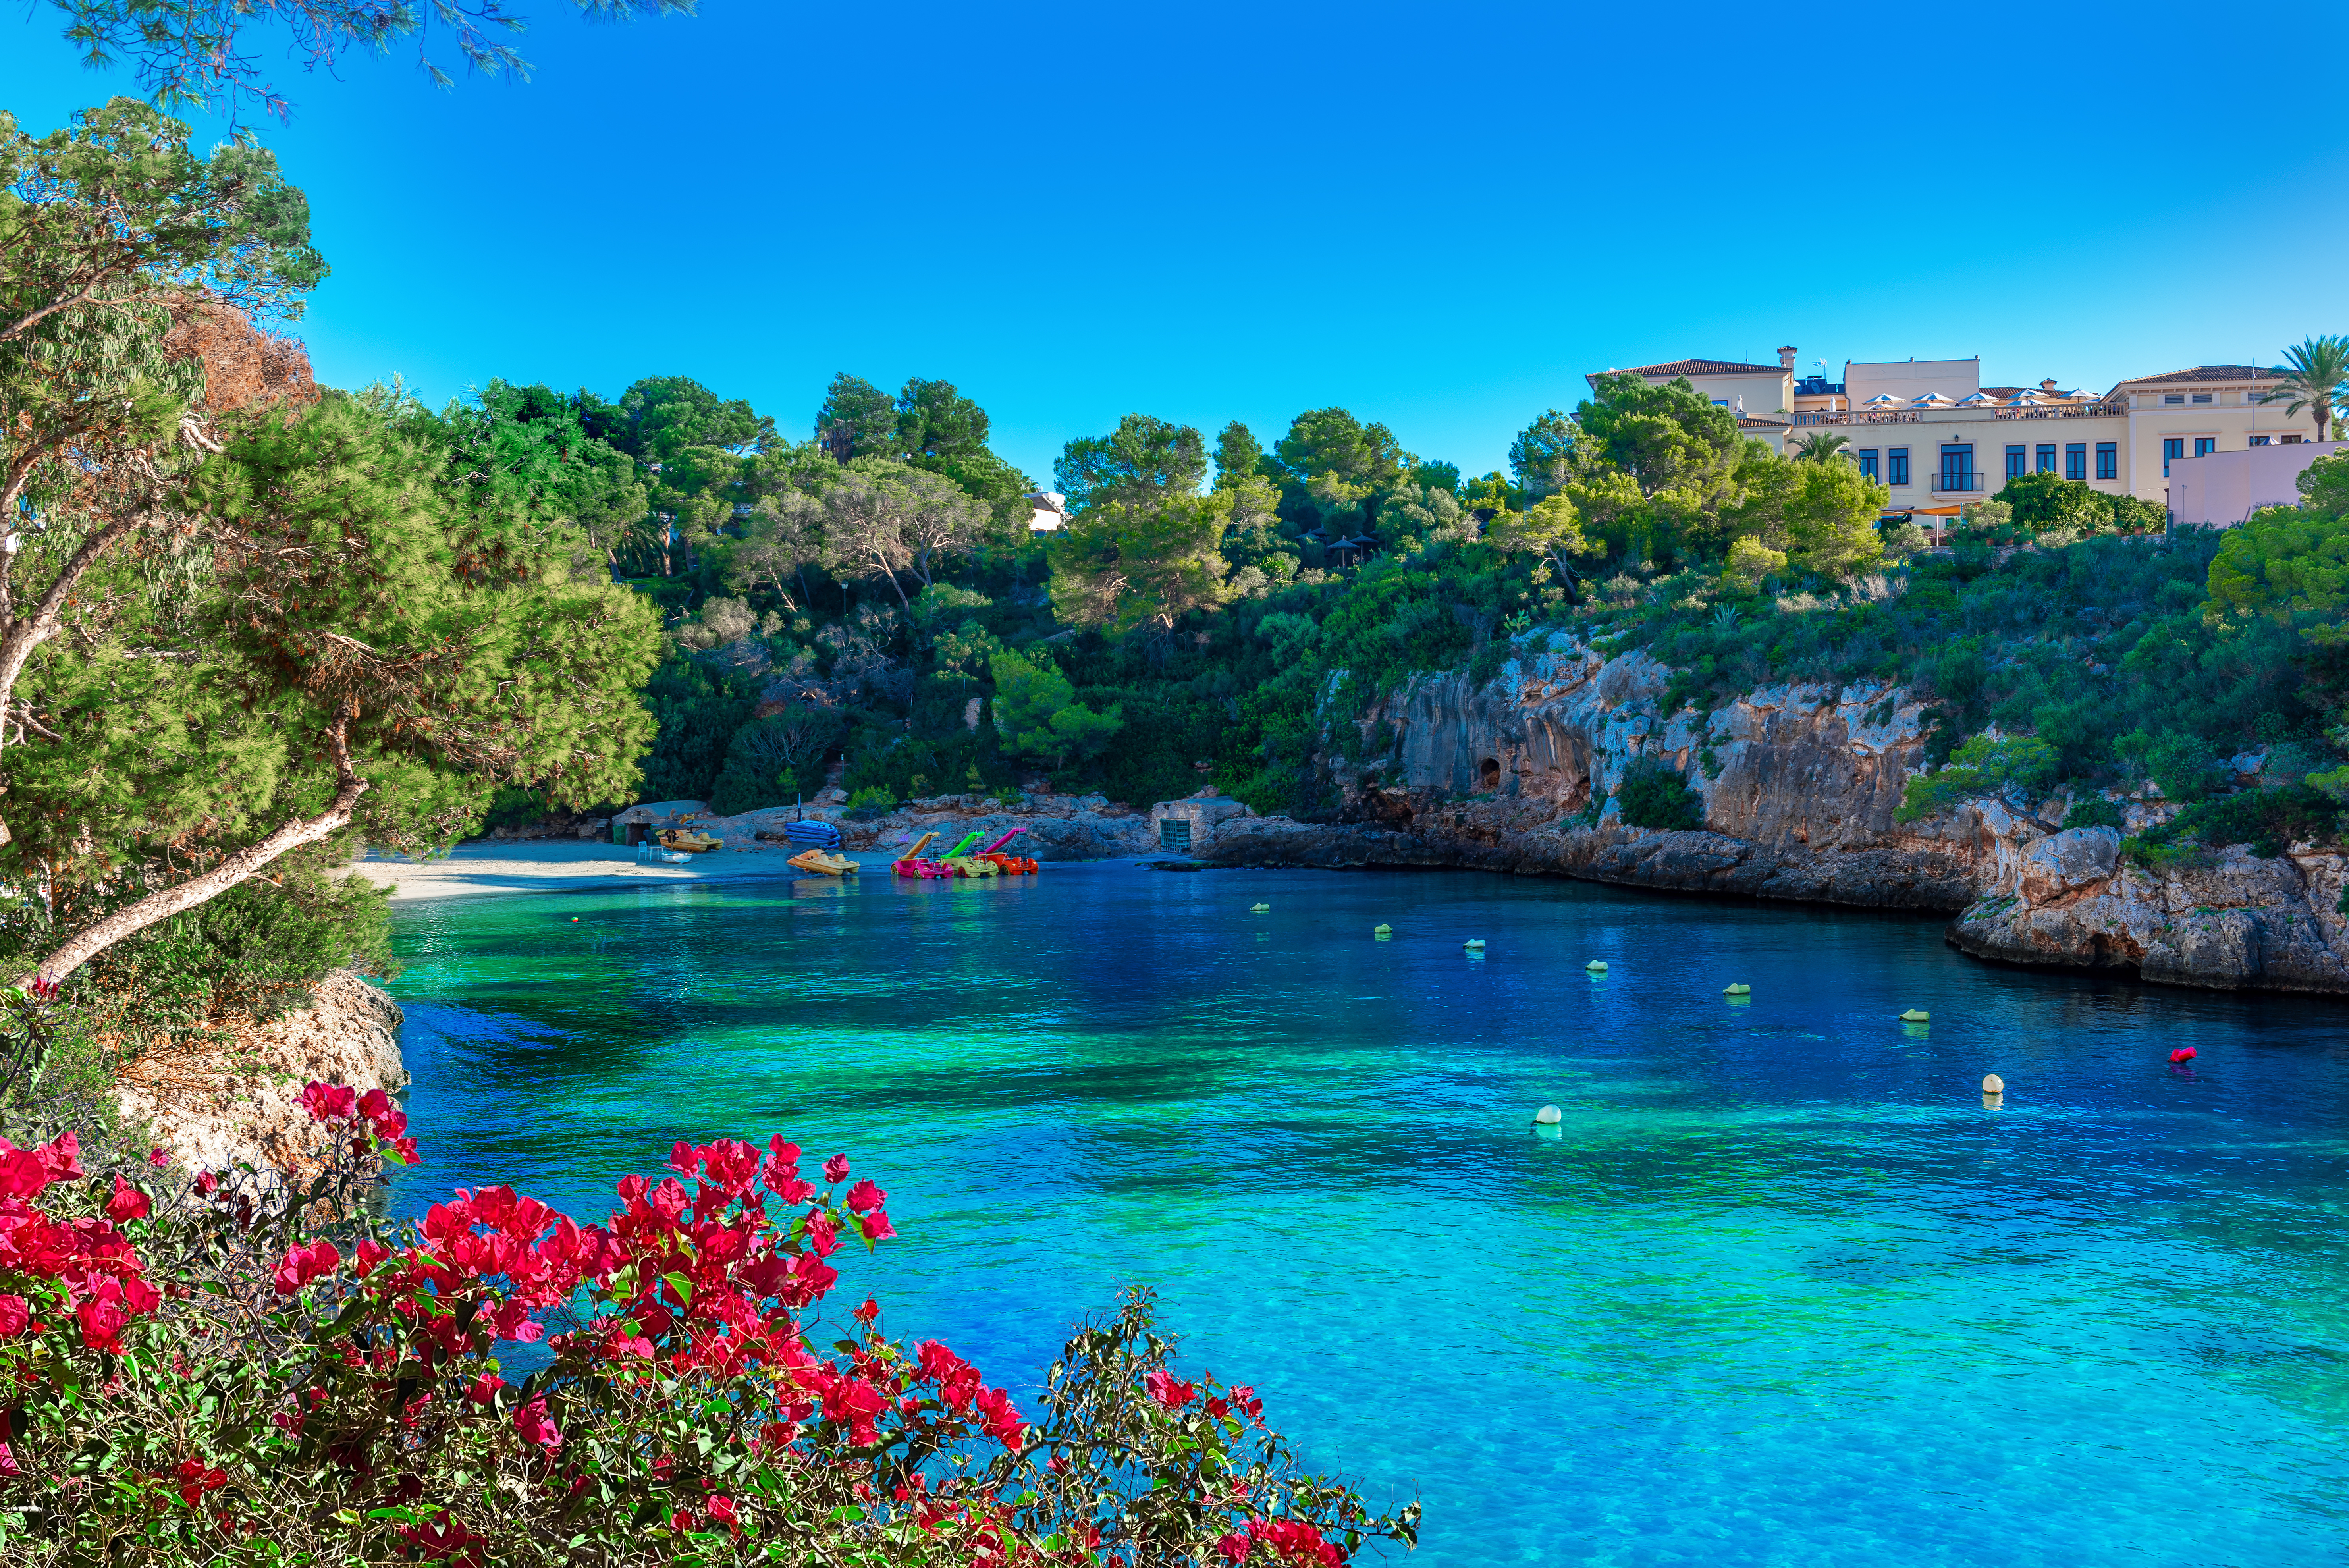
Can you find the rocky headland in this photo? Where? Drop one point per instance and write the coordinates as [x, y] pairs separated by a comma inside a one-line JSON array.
[[1799, 785]]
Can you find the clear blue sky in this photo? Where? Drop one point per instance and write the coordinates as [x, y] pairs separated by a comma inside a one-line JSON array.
[[1436, 216]]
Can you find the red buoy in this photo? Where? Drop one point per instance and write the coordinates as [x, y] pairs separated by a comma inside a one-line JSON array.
[[2183, 1054]]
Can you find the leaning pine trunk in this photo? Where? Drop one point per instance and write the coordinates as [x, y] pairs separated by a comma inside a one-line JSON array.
[[96, 939]]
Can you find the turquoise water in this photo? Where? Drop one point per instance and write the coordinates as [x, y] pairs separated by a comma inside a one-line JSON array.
[[1781, 1291]]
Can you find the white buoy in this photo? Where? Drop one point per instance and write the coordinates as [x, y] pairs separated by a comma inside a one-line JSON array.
[[1594, 966], [1993, 1084], [1916, 1015], [1258, 908], [1382, 931], [1548, 1116], [1737, 988], [1475, 944]]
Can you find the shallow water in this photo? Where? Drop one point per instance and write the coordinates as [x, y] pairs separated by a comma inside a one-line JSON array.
[[1780, 1291]]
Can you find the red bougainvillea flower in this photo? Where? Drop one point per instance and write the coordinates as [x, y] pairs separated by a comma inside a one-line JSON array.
[[721, 1511], [158, 1159], [127, 1203], [1244, 1399], [329, 1102], [1171, 1391], [865, 1198], [485, 1388], [835, 1170], [195, 1480], [531, 1421], [302, 1265], [875, 1227], [681, 1521], [13, 1316], [868, 1312]]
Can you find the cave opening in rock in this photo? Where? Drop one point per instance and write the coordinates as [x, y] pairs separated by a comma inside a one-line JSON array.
[[1489, 772]]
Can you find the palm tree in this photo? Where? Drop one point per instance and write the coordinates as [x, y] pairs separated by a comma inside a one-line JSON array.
[[1819, 446], [2317, 367]]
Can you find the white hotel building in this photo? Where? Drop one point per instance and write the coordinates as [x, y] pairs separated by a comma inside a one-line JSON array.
[[1939, 438]]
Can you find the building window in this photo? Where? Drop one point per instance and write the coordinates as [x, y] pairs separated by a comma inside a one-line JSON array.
[[2171, 447], [2108, 459], [2014, 462], [2075, 461], [2173, 397], [2293, 441], [1958, 466], [2259, 440], [2205, 444], [2047, 457], [2201, 396], [1868, 462], [1721, 402], [1896, 459]]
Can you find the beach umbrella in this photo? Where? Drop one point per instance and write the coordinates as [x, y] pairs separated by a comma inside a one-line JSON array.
[[1931, 400], [1979, 400], [1882, 400]]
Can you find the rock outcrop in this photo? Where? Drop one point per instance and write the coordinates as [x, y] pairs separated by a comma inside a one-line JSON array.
[[213, 1104], [1799, 783]]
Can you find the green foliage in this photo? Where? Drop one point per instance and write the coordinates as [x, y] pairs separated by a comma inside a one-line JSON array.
[[1126, 564], [2282, 560], [2095, 814], [1986, 765], [2044, 500], [2180, 763], [777, 759], [1654, 794], [696, 711], [870, 802], [1659, 465], [1138, 463], [1037, 713], [1818, 518], [2269, 821]]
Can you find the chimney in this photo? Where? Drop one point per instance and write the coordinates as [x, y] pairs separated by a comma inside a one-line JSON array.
[[1787, 358], [2048, 384]]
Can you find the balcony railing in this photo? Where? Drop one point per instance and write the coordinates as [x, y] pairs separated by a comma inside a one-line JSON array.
[[1916, 415], [1960, 484]]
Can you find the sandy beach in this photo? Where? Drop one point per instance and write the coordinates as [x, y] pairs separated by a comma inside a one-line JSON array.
[[543, 865]]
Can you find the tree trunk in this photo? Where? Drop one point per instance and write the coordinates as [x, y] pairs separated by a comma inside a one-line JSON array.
[[94, 940]]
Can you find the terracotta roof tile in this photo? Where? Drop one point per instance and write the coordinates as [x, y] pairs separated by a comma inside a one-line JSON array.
[[2204, 373], [1694, 367]]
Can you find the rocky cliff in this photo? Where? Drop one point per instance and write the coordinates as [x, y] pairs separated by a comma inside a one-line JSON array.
[[1799, 784], [210, 1104]]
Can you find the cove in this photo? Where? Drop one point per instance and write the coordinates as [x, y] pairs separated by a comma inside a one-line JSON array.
[[1782, 1291]]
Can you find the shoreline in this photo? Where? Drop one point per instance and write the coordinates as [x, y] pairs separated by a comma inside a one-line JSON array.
[[483, 868]]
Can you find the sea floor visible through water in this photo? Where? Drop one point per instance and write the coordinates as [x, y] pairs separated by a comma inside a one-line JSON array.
[[1780, 1288]]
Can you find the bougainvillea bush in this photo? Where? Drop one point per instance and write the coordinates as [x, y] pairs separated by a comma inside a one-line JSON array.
[[240, 1369]]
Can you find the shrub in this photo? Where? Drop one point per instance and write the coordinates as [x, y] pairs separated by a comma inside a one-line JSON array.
[[249, 1370], [870, 802], [2095, 814], [1654, 795], [2269, 821], [1982, 765]]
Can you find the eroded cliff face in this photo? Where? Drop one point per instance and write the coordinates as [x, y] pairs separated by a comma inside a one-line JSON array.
[[1799, 784], [213, 1103], [2243, 922]]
